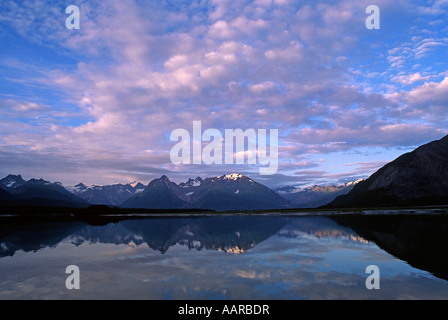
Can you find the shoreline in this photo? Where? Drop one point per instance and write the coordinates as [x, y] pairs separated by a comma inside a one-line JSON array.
[[106, 213]]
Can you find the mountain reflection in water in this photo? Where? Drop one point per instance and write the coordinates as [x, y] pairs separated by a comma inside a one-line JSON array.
[[420, 240], [228, 234], [308, 245]]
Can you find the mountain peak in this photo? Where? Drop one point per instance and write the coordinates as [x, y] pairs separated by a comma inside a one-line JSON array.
[[191, 183], [81, 186], [134, 184], [162, 180], [12, 176], [39, 181], [12, 181], [165, 178]]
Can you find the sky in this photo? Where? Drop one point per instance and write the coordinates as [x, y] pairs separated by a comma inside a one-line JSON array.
[[98, 104]]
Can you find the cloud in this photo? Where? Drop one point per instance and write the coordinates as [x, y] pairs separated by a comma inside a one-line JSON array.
[[337, 139], [137, 70], [430, 93], [410, 78], [437, 7]]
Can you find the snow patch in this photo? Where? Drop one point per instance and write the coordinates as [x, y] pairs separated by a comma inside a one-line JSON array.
[[10, 183], [353, 183], [297, 190], [233, 176], [192, 183], [75, 189]]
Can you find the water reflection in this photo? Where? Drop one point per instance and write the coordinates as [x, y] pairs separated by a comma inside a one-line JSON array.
[[18, 235], [319, 227], [226, 257], [227, 234], [421, 240]]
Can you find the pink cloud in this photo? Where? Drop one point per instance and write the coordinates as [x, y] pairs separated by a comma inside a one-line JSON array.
[[259, 64]]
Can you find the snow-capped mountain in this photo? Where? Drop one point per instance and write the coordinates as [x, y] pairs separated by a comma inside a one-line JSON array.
[[316, 196], [191, 183], [112, 195], [11, 182], [159, 194], [236, 192], [223, 193]]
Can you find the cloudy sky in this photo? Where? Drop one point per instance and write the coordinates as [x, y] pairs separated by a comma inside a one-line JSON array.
[[97, 105]]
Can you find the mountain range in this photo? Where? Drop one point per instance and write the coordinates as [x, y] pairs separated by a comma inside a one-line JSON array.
[[14, 190], [224, 193], [419, 177], [112, 195], [316, 196]]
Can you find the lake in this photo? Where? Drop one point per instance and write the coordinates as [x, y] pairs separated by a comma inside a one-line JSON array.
[[240, 257]]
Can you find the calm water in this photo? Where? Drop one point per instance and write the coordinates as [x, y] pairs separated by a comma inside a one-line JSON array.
[[240, 257]]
